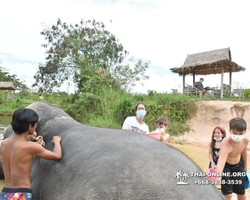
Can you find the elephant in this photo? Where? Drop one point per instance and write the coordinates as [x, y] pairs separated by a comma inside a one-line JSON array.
[[110, 164]]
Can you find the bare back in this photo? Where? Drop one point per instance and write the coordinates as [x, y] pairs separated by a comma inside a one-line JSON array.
[[17, 155], [17, 162]]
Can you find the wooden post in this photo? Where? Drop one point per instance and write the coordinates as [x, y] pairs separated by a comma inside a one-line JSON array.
[[230, 79], [193, 78], [221, 84], [183, 83]]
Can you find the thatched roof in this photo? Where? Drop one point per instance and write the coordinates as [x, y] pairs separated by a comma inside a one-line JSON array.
[[7, 86], [209, 62]]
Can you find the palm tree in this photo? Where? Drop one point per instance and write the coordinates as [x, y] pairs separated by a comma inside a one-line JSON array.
[[185, 177], [179, 175]]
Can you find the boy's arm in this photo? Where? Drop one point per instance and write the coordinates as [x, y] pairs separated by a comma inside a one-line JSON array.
[[223, 154], [244, 157], [56, 154]]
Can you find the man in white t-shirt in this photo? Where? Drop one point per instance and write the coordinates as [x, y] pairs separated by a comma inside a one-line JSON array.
[[135, 123]]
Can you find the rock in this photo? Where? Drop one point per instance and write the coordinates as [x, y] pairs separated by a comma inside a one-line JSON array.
[[216, 113]]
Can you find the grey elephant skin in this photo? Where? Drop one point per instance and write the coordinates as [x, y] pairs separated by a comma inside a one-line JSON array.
[[109, 164]]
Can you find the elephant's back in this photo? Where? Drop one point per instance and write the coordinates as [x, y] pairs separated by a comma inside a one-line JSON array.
[[103, 163]]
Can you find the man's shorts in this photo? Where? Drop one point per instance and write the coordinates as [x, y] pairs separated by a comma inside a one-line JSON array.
[[235, 182], [16, 193]]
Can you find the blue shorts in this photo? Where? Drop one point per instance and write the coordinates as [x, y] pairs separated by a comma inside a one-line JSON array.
[[16, 193]]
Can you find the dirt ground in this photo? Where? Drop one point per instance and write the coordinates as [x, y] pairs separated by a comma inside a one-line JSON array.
[[198, 153]]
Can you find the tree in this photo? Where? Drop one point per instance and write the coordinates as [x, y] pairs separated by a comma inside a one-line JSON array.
[[5, 76], [2, 74], [17, 82], [77, 52]]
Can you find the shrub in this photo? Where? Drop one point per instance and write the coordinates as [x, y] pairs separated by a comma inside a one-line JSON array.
[[247, 94]]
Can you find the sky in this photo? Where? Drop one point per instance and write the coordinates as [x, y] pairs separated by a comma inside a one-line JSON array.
[[163, 32]]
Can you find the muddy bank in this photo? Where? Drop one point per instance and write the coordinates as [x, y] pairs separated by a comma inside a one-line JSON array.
[[215, 113]]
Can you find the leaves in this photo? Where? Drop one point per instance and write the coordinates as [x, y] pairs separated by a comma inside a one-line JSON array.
[[76, 52], [5, 76]]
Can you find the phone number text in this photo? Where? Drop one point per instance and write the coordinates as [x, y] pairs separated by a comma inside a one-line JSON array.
[[218, 182]]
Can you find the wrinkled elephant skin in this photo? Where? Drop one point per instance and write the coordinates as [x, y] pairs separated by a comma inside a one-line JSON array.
[[100, 164]]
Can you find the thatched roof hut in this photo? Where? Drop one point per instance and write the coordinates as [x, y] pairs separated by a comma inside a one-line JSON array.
[[211, 62], [7, 86]]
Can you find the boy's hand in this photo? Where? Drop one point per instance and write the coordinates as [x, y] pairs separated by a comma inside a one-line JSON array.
[[56, 139]]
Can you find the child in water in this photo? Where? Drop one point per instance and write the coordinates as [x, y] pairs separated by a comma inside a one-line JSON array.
[[218, 135]]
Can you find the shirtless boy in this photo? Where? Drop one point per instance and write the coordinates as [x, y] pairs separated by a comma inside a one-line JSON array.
[[17, 155], [233, 160], [159, 133]]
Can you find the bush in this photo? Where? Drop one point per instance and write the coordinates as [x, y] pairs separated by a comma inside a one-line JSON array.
[[177, 128], [110, 107], [247, 94]]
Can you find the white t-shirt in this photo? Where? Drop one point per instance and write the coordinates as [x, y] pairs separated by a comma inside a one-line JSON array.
[[131, 123]]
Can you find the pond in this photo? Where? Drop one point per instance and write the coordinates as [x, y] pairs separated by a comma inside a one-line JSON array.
[[4, 122]]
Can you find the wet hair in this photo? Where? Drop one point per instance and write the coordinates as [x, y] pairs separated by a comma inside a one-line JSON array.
[[222, 130], [161, 121], [22, 118], [238, 124], [138, 105]]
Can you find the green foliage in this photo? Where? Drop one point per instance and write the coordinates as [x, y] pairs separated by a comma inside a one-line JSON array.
[[124, 108], [177, 128], [82, 51], [19, 100], [180, 110], [11, 105], [247, 94], [108, 107], [3, 74], [154, 111], [103, 122], [6, 77], [175, 108], [1, 97]]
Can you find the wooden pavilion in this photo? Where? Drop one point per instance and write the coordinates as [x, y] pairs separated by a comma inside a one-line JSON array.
[[8, 86], [211, 62]]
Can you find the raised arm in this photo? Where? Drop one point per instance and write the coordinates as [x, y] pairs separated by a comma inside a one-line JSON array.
[[56, 154], [223, 154]]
